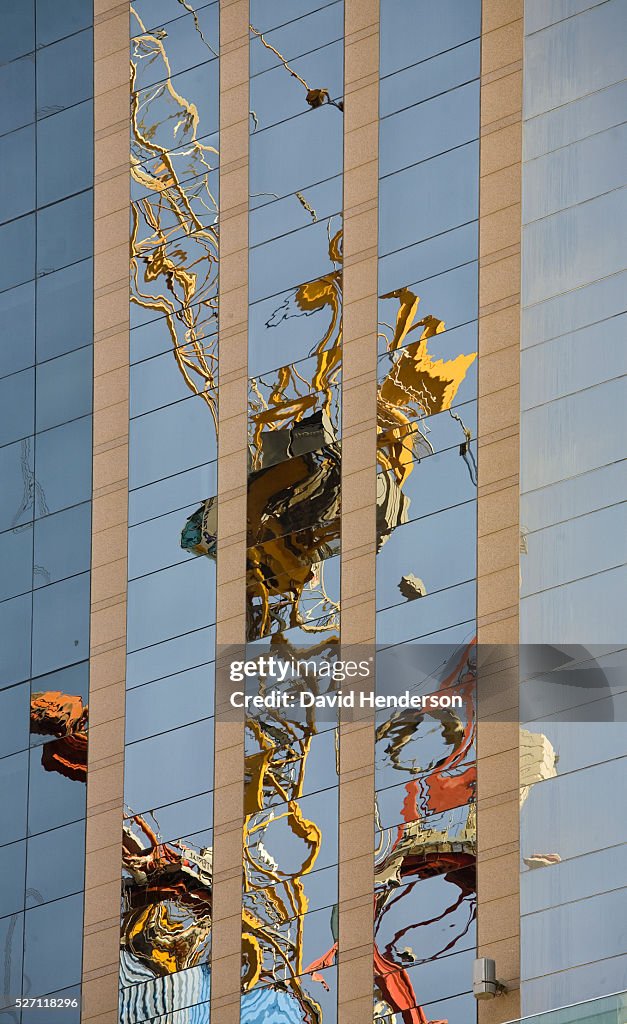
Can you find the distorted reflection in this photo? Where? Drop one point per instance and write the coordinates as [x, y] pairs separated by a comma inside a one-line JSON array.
[[174, 233], [167, 884], [166, 918], [290, 837], [53, 713], [430, 843], [415, 388]]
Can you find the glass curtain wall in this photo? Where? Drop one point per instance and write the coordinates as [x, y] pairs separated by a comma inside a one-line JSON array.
[[574, 528], [46, 298], [425, 771], [293, 564], [167, 836]]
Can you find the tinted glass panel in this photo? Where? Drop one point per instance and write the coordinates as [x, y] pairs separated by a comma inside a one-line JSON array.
[[17, 329], [63, 461], [17, 173], [65, 310], [69, 136], [55, 88]]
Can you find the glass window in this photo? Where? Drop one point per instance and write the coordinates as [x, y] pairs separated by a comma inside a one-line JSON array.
[[157, 332], [311, 151], [550, 57], [171, 602], [14, 776], [63, 463], [575, 173], [12, 941], [17, 474], [154, 13], [170, 767], [174, 492], [156, 544], [178, 819], [69, 136], [65, 310], [187, 42], [18, 238], [554, 809], [575, 609], [17, 88], [158, 381], [425, 129], [171, 440], [53, 24], [56, 796], [13, 873], [300, 256], [276, 95], [573, 879], [53, 941], [169, 703], [558, 443], [15, 627], [56, 863], [412, 32], [430, 615], [61, 624], [62, 545], [65, 232], [281, 331], [17, 397], [575, 985], [17, 328], [18, 32], [439, 551], [574, 549], [199, 86], [64, 388], [440, 193], [17, 173], [569, 312], [452, 296], [14, 719], [270, 218], [575, 121], [430, 981], [573, 497], [430, 77], [171, 656], [577, 933], [572, 248], [56, 89], [72, 680], [298, 36], [560, 366]]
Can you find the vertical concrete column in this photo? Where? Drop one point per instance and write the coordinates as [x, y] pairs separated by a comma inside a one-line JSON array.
[[498, 493], [359, 415], [105, 783], [232, 474]]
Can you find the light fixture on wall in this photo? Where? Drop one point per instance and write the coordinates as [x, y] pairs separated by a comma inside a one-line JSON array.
[[484, 981]]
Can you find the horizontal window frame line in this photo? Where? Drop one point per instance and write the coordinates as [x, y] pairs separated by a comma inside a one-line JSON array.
[[435, 96], [573, 206], [569, 17], [436, 156], [292, 21], [425, 60]]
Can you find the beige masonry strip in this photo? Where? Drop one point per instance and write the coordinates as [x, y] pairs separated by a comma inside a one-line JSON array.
[[358, 551], [232, 481], [105, 784], [498, 493]]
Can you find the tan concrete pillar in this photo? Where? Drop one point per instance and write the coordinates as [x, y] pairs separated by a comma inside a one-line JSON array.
[[105, 784], [498, 492], [359, 385], [232, 475]]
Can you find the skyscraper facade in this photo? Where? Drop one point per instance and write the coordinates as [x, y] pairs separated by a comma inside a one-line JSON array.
[[313, 319]]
